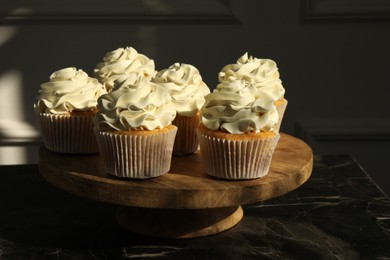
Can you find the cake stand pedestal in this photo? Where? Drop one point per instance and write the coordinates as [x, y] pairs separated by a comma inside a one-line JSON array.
[[185, 202]]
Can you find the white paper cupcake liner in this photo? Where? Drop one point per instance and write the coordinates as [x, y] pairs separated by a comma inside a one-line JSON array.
[[186, 141], [68, 133], [236, 159], [136, 156], [281, 108]]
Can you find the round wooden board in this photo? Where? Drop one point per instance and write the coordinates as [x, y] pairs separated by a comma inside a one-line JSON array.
[[186, 186]]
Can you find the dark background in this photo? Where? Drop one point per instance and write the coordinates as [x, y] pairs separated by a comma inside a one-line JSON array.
[[333, 57]]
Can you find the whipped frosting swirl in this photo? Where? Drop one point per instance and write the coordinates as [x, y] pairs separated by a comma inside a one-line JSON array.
[[263, 73], [186, 87], [135, 105], [238, 108], [123, 61], [68, 90]]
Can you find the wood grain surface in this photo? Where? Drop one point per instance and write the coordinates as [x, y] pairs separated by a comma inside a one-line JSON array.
[[186, 186]]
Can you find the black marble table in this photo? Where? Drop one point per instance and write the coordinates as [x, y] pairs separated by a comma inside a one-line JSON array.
[[339, 213]]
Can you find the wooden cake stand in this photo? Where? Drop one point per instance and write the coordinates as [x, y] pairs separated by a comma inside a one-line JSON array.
[[185, 202]]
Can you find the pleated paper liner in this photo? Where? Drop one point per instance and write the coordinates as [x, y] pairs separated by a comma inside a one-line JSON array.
[[68, 133], [137, 154], [186, 141], [236, 159]]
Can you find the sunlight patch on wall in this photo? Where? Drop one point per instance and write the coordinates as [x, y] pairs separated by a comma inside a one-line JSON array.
[[6, 33], [12, 155], [10, 95], [15, 133]]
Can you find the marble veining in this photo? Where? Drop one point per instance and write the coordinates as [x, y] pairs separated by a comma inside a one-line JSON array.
[[152, 251], [339, 213]]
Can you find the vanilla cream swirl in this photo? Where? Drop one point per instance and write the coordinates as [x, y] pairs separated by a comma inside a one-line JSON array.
[[186, 87], [237, 107], [68, 90], [263, 73], [123, 61], [141, 106]]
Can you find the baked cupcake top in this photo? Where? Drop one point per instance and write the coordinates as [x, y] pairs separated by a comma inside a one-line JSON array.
[[263, 73], [135, 104], [238, 108], [123, 61], [186, 87], [68, 90]]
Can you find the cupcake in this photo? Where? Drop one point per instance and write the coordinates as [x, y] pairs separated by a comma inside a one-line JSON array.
[[237, 134], [134, 129], [123, 61], [262, 73], [187, 89], [66, 106]]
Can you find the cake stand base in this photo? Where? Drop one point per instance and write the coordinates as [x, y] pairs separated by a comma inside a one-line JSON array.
[[178, 223], [185, 202]]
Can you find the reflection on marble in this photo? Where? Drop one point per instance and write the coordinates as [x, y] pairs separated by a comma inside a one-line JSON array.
[[339, 213]]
